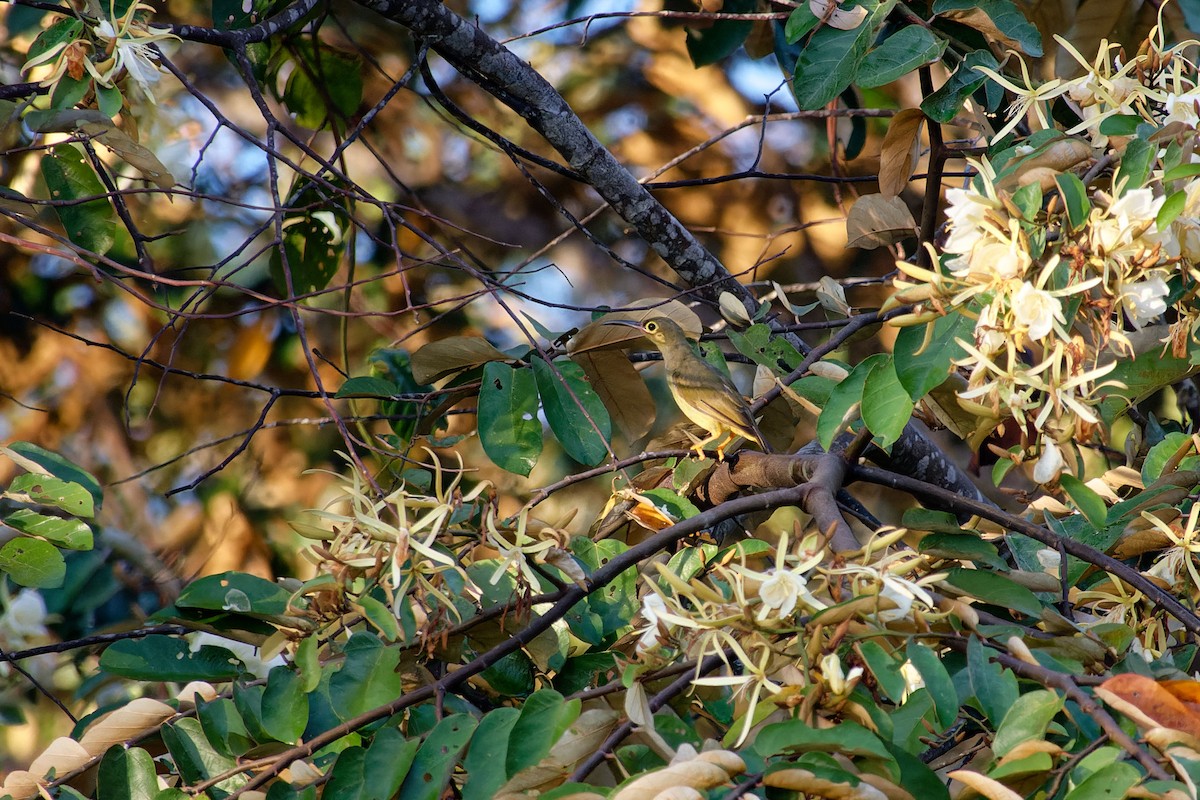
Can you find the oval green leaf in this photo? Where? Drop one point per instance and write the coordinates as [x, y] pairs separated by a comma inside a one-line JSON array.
[[509, 427], [575, 412]]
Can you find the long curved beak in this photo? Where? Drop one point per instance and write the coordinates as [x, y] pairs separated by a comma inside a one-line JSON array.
[[628, 323]]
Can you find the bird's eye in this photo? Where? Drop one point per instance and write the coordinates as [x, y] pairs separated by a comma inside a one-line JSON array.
[[651, 327]]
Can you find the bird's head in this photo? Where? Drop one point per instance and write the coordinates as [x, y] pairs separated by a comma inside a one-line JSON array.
[[659, 330]]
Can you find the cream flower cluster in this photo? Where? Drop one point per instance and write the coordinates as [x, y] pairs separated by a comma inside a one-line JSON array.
[[1056, 275]]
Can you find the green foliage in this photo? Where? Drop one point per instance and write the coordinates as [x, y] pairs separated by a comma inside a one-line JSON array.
[[33, 558], [83, 208]]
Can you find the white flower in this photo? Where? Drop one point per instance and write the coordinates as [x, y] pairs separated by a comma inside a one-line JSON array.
[[1036, 310], [652, 607], [1049, 464], [25, 616], [1181, 107], [913, 680], [136, 57], [839, 682], [1145, 300], [966, 211], [780, 592], [903, 593], [246, 653]]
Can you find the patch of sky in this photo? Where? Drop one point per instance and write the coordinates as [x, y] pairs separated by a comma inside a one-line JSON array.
[[623, 122], [759, 79], [50, 267]]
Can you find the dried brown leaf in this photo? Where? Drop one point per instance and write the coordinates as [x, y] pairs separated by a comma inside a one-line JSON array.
[[128, 722], [63, 755], [989, 788], [901, 145], [620, 388], [599, 335], [835, 17], [876, 221], [453, 354], [1149, 703]]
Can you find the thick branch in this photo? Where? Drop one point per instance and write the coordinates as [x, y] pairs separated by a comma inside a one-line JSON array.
[[497, 70]]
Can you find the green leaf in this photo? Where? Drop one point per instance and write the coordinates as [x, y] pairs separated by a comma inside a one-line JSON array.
[[993, 686], [846, 738], [545, 716], [388, 761], [348, 780], [367, 679], [945, 103], [1188, 170], [284, 705], [1029, 200], [830, 60], [127, 774], [721, 38], [1107, 783], [223, 727], [514, 675], [50, 491], [236, 593], [70, 91], [484, 765], [323, 85], [1005, 15], [927, 519], [1135, 166], [1121, 125], [167, 658], [995, 589], [1086, 500], [381, 617], [436, 759], [89, 223], [57, 466], [583, 431], [366, 386], [1027, 720], [64, 31], [672, 504], [1158, 456], [918, 779], [1075, 198], [1134, 379], [886, 406], [109, 100], [316, 227], [72, 534], [248, 698], [1172, 207], [801, 21], [963, 546], [195, 758], [839, 409], [395, 366], [509, 428], [763, 347], [33, 562], [937, 682], [886, 669], [924, 355], [898, 55]]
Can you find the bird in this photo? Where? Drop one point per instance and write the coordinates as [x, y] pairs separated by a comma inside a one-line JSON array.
[[703, 393]]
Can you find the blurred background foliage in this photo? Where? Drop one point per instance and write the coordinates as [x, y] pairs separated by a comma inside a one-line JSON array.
[[154, 383]]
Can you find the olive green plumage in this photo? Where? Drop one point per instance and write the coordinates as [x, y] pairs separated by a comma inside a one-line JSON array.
[[703, 393]]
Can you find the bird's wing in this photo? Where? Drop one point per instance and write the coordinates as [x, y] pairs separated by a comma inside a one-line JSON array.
[[733, 412]]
